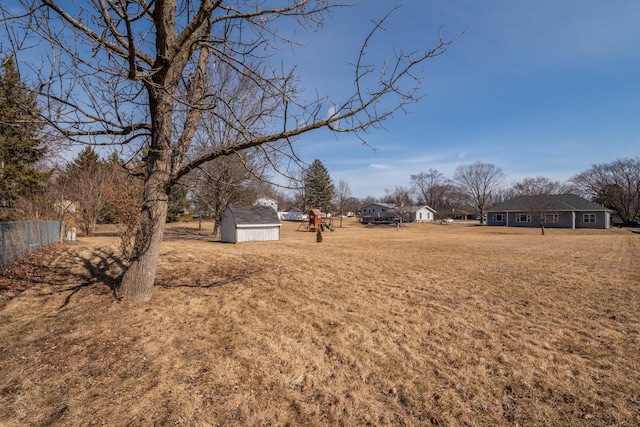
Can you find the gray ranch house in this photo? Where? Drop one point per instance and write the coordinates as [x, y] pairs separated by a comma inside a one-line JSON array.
[[377, 212], [555, 210]]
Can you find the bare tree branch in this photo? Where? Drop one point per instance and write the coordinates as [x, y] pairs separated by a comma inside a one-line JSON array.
[[149, 73]]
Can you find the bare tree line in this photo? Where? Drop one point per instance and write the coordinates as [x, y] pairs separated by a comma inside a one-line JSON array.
[[478, 186]]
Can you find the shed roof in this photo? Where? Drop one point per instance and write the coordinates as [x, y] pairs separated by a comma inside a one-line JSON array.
[[553, 202], [260, 215]]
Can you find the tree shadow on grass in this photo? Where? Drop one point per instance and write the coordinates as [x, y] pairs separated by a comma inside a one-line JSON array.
[[102, 268], [63, 271], [188, 233]]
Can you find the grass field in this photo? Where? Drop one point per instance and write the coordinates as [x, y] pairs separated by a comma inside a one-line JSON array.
[[442, 325]]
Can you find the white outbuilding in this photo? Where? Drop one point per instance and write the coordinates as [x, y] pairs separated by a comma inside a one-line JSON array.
[[423, 213], [250, 224]]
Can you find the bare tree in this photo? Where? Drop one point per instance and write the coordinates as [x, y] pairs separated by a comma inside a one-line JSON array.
[[539, 191], [233, 179], [342, 197], [503, 194], [352, 205], [401, 197], [539, 185], [615, 185], [284, 199], [86, 180], [368, 200], [222, 183], [124, 198], [136, 73], [433, 189], [479, 181], [542, 208]]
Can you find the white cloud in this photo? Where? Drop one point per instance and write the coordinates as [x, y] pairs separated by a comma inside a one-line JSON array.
[[331, 111], [379, 166]]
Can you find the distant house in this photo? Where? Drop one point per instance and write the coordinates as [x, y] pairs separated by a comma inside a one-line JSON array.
[[459, 213], [267, 201], [250, 224], [390, 212], [423, 213], [558, 211], [378, 212]]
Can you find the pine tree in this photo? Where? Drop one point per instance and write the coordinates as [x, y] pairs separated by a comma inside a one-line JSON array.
[[178, 202], [86, 160], [20, 146], [318, 187]]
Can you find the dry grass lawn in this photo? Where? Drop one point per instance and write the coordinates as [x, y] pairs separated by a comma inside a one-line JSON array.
[[442, 325]]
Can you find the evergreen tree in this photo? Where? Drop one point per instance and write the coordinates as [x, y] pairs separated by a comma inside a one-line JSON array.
[[318, 187], [87, 159], [178, 203], [20, 146]]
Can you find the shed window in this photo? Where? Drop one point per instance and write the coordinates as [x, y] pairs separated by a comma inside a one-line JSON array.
[[589, 218]]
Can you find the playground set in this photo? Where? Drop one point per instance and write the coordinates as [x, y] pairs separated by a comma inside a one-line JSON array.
[[316, 222]]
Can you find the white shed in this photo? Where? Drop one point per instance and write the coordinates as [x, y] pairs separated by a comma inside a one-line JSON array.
[[250, 224]]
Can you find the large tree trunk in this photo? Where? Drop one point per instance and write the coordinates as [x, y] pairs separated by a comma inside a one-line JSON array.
[[137, 282], [166, 150]]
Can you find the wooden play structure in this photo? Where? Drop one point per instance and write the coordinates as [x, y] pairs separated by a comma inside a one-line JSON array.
[[316, 222]]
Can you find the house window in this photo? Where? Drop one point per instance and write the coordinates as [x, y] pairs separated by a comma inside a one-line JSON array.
[[498, 217], [523, 218], [589, 218], [553, 218]]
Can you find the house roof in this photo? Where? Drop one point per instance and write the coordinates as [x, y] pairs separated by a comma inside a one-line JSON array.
[[384, 205], [265, 199], [553, 202], [427, 207], [255, 215]]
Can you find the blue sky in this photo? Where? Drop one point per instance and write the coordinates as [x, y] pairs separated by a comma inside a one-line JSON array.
[[544, 88]]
